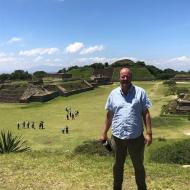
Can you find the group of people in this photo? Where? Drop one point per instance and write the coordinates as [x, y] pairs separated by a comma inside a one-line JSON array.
[[28, 124], [71, 114]]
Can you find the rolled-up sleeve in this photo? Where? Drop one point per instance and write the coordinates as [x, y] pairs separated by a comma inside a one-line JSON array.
[[146, 103], [109, 106]]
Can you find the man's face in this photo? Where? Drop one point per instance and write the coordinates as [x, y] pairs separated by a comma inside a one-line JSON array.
[[125, 78]]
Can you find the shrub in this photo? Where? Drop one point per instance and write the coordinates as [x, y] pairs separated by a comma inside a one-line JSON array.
[[161, 139], [93, 147], [170, 108], [10, 143], [169, 82], [174, 153]]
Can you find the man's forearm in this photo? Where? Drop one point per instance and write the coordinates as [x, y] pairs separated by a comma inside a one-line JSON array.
[[107, 125], [147, 122]]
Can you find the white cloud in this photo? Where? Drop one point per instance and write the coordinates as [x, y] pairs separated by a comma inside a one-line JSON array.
[[39, 58], [14, 61], [2, 54], [90, 60], [181, 63], [79, 47], [39, 51], [6, 59], [92, 49], [180, 59], [74, 47], [10, 62], [14, 40]]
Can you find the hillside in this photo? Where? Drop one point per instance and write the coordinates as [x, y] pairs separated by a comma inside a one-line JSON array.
[[139, 73], [139, 69], [82, 73]]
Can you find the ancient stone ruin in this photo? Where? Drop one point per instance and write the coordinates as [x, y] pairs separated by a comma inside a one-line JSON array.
[[102, 76], [11, 93], [36, 91], [182, 77], [183, 103]]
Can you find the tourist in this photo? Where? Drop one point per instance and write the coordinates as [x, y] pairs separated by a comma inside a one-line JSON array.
[[41, 125], [67, 129], [126, 107], [23, 124], [18, 125], [32, 125]]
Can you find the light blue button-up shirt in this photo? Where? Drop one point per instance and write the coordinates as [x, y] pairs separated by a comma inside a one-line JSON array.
[[127, 122]]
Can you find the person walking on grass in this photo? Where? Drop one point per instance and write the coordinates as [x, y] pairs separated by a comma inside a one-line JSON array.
[[127, 108]]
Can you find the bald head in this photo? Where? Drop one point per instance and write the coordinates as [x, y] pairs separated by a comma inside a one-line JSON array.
[[125, 78], [125, 71]]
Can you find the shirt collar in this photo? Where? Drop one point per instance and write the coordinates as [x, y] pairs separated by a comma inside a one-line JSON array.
[[129, 90]]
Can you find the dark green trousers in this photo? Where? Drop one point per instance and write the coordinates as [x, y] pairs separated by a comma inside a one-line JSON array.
[[135, 148]]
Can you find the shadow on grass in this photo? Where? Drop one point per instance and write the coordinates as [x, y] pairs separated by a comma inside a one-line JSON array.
[[32, 105], [92, 147], [167, 121]]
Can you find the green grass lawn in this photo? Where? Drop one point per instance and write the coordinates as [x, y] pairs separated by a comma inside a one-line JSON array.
[[52, 163]]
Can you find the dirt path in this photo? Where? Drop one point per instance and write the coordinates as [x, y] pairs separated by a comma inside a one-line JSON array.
[[155, 89]]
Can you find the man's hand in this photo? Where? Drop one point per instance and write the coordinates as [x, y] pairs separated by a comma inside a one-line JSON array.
[[148, 139], [104, 137], [107, 125]]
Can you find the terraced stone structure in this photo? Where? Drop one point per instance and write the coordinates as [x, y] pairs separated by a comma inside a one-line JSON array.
[[182, 77], [38, 92], [183, 103], [102, 76], [11, 93]]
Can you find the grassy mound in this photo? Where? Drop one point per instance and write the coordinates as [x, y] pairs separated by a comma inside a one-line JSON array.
[[82, 73], [139, 73], [73, 85], [177, 152], [93, 147]]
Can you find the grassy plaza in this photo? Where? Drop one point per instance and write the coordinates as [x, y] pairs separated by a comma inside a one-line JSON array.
[[52, 163]]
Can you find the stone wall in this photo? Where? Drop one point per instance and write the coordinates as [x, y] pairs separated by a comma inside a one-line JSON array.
[[37, 93], [43, 98], [72, 92], [11, 93]]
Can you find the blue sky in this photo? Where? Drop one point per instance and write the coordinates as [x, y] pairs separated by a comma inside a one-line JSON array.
[[51, 34]]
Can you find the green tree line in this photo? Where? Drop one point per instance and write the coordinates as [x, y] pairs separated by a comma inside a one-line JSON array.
[[158, 73]]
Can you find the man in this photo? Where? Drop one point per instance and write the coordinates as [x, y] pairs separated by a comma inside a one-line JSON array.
[[126, 107]]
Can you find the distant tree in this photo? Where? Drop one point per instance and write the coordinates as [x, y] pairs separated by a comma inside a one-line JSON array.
[[168, 73], [20, 75], [73, 67], [97, 65], [140, 63], [170, 82], [182, 72], [154, 70], [39, 74], [5, 76], [64, 70], [123, 63], [106, 64]]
